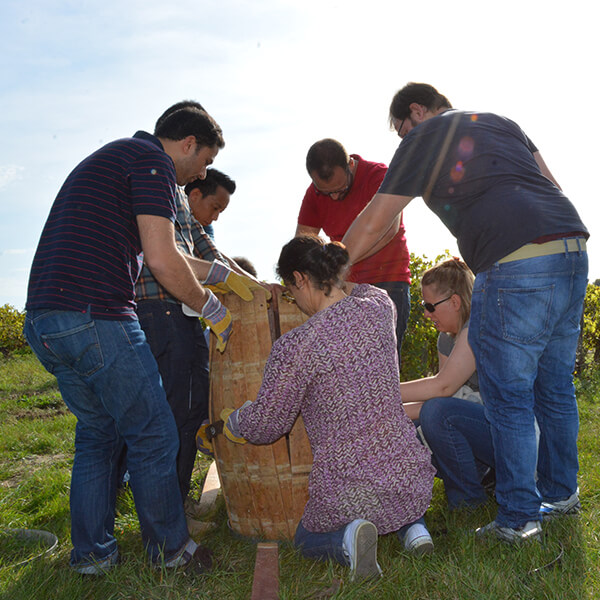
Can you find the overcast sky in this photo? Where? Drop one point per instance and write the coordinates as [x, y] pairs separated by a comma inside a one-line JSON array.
[[278, 75]]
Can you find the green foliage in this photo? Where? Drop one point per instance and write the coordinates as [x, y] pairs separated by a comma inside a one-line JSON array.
[[419, 348], [34, 487], [11, 330], [589, 346]]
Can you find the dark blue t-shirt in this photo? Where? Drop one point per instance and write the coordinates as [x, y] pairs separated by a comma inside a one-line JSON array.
[[90, 252], [477, 172]]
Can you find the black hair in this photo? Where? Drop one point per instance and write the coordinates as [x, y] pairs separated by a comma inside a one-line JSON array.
[[211, 182], [177, 106], [421, 93], [324, 156], [190, 120], [243, 262], [324, 263]]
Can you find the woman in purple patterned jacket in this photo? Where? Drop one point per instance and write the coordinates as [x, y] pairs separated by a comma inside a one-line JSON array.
[[370, 474]]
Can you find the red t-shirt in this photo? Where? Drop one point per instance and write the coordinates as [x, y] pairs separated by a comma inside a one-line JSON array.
[[334, 217]]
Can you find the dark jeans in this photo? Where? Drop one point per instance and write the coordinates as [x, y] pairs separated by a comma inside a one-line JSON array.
[[179, 347], [108, 378], [459, 437], [329, 544], [399, 292]]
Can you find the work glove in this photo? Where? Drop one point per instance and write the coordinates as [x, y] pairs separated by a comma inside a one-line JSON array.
[[216, 317], [221, 278], [202, 442], [231, 423]]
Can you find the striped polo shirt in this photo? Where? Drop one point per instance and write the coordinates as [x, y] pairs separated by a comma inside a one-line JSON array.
[[90, 254]]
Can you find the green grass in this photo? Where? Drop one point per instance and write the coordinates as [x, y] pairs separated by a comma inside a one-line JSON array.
[[36, 449]]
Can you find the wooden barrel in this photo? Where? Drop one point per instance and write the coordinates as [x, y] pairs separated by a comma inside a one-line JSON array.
[[265, 487]]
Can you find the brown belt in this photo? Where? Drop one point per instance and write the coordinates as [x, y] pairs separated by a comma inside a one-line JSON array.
[[553, 247]]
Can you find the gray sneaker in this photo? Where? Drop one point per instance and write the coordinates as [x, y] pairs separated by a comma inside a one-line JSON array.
[[532, 530], [570, 506], [100, 567], [417, 540], [360, 545]]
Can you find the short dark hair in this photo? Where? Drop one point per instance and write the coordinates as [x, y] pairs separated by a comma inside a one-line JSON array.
[[421, 93], [243, 262], [324, 263], [183, 122], [177, 106], [323, 156], [211, 182]]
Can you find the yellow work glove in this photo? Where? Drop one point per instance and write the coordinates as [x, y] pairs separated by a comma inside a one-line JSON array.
[[216, 317], [221, 278], [203, 443], [231, 425]]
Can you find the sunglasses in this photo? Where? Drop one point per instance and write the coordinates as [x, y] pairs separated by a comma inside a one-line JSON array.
[[431, 307]]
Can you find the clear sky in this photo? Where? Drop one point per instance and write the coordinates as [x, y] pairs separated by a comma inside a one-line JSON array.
[[278, 75]]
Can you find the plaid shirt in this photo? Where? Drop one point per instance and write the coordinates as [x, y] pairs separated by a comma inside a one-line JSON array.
[[191, 240]]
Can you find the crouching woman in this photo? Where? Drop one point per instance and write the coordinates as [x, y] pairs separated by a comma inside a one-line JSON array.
[[339, 369]]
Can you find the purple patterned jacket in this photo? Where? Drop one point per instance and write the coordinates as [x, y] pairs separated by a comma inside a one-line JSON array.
[[340, 370]]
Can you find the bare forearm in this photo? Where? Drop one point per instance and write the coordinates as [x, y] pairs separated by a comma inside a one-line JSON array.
[[421, 390], [175, 274], [413, 409], [167, 264], [372, 224]]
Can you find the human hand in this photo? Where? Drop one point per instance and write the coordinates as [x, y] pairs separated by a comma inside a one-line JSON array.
[[221, 278], [231, 425], [218, 319]]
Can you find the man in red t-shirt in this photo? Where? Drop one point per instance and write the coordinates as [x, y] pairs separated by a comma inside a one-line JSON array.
[[341, 187]]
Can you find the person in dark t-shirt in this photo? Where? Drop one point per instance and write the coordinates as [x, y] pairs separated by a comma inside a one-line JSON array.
[[525, 242]]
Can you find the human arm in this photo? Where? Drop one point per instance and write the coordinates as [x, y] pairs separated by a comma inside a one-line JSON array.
[[544, 169], [387, 237], [173, 272], [454, 372], [167, 264], [283, 388], [372, 224], [306, 230]]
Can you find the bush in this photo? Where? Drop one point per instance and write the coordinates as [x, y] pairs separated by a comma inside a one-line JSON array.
[[11, 330], [419, 348], [588, 355]]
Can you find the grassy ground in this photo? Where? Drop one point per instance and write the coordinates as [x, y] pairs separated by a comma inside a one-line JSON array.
[[36, 448]]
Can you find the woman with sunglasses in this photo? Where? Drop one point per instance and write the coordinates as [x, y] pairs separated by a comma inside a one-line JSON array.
[[448, 405], [370, 475]]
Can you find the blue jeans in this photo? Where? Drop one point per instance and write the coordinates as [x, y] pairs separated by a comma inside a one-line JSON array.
[[459, 437], [524, 327], [399, 292], [109, 380], [329, 544], [179, 347]]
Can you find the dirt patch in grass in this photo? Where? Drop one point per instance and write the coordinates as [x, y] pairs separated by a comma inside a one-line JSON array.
[[30, 464]]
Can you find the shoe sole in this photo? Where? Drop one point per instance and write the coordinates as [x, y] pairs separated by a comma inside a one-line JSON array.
[[366, 552], [422, 547]]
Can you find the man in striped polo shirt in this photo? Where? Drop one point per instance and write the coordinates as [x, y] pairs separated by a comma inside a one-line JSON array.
[[81, 323]]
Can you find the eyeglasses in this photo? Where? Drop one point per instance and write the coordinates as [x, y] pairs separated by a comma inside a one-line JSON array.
[[431, 307], [400, 128], [341, 192]]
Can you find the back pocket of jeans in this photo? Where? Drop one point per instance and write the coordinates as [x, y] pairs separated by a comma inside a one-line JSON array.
[[524, 312], [78, 348]]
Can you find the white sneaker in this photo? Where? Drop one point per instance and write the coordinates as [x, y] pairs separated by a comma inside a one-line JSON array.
[[360, 546], [418, 540]]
